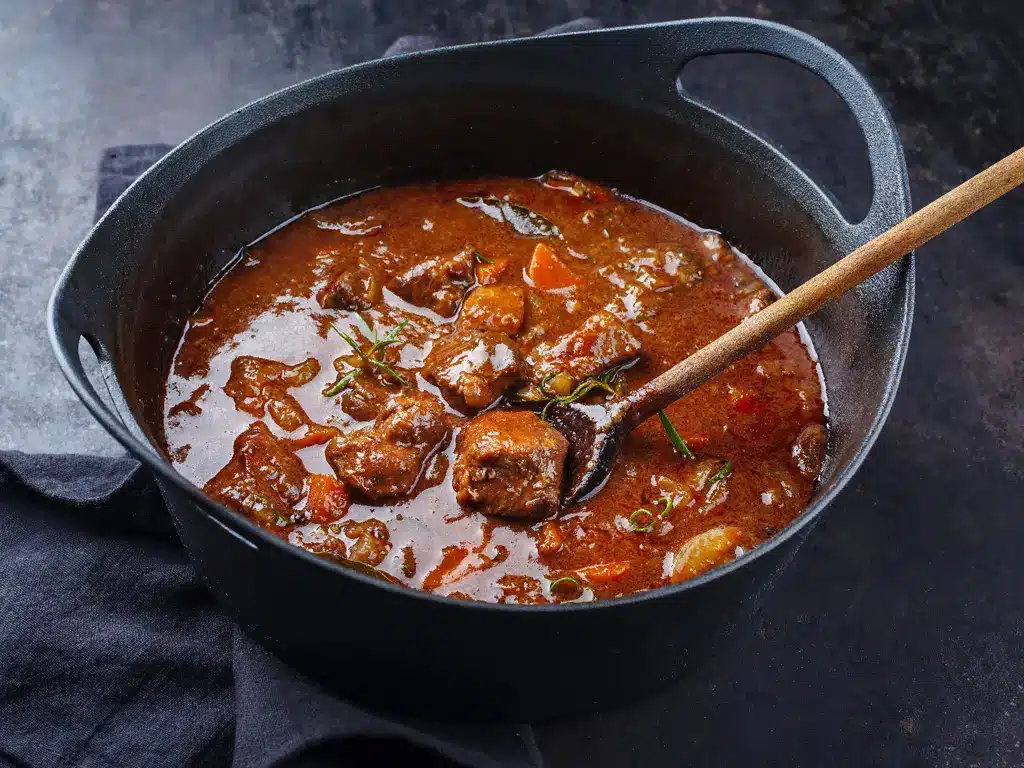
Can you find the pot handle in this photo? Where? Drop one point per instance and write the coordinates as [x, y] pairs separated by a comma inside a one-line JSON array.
[[65, 327], [890, 189]]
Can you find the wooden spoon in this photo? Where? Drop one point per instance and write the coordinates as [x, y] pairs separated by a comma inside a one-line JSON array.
[[595, 432]]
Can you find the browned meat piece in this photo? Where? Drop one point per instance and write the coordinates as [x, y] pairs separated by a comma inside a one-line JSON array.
[[438, 283], [357, 286], [601, 342], [263, 478], [473, 368], [386, 460], [255, 381], [510, 463], [495, 308], [809, 450]]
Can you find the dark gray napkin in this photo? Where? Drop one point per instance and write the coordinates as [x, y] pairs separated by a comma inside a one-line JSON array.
[[113, 653]]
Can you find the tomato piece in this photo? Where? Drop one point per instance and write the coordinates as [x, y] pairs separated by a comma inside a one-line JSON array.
[[327, 500], [547, 271], [746, 402], [604, 573]]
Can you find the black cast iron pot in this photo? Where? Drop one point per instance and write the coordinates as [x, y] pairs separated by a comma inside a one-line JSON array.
[[603, 104]]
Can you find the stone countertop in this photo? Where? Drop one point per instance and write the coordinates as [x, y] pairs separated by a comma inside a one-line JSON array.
[[895, 636]]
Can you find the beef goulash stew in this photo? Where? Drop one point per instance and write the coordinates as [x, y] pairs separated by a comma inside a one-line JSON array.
[[369, 382]]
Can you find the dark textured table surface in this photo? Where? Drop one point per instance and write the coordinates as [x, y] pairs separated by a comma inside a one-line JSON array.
[[895, 637]]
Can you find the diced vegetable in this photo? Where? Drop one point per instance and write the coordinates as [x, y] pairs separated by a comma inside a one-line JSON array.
[[495, 308], [557, 384], [372, 541], [604, 573], [286, 413], [549, 542], [488, 272], [547, 271], [708, 550], [327, 500], [317, 434]]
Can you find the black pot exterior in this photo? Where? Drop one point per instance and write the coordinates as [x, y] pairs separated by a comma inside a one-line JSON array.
[[604, 104]]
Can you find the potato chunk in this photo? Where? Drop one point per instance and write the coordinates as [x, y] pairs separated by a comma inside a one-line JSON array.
[[708, 550], [495, 308]]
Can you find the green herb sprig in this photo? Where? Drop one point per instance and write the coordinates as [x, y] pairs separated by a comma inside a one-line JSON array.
[[642, 520], [282, 520], [576, 586], [605, 382], [371, 356], [481, 258], [721, 474], [677, 441]]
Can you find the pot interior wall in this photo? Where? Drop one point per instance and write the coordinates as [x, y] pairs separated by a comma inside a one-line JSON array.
[[364, 140]]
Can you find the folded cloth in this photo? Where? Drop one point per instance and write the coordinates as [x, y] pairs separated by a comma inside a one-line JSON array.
[[113, 653]]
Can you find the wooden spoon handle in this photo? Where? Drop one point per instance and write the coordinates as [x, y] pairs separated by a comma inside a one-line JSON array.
[[873, 256]]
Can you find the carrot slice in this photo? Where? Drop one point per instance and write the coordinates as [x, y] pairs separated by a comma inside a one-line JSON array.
[[317, 434], [327, 500], [603, 573], [547, 271]]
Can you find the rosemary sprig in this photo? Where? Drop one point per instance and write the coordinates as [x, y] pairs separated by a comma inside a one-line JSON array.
[[378, 346], [721, 474], [341, 383], [605, 382], [677, 441]]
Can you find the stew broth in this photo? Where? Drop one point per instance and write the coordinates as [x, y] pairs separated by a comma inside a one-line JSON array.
[[331, 388]]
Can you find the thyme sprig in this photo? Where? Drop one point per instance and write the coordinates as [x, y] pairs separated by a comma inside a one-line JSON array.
[[370, 356]]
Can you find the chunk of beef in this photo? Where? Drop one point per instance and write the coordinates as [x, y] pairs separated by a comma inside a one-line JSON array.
[[437, 284], [386, 459], [809, 450], [509, 463], [357, 286], [600, 343], [256, 381], [495, 308], [263, 478], [473, 368]]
